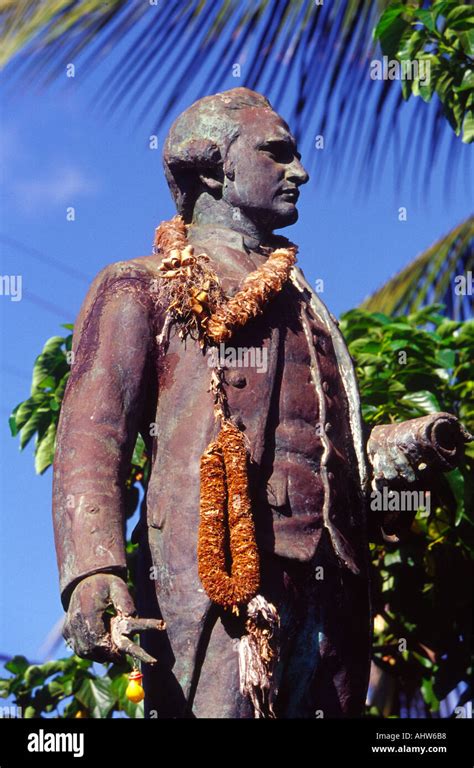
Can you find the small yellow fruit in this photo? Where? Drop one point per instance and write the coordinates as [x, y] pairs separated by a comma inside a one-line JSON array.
[[135, 690]]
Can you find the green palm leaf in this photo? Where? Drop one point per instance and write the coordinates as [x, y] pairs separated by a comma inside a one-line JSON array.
[[431, 278]]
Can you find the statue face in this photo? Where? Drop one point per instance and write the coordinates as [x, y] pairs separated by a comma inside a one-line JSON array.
[[265, 170]]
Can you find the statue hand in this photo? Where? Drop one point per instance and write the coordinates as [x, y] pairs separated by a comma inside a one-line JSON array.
[[95, 635]]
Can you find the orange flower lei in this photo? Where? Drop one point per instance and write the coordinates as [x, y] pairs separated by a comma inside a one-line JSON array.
[[196, 298], [197, 302]]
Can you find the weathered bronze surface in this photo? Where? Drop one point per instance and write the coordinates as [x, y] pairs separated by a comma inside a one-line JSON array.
[[233, 168]]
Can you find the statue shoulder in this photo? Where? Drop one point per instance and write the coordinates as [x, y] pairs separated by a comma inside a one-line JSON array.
[[134, 277], [143, 270]]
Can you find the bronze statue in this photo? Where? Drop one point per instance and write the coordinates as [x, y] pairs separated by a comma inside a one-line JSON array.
[[142, 365]]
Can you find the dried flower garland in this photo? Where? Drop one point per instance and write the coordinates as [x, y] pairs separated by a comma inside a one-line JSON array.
[[224, 493], [189, 287], [197, 303], [194, 295], [257, 289]]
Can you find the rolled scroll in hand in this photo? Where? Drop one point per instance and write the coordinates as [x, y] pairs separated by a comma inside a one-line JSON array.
[[402, 450]]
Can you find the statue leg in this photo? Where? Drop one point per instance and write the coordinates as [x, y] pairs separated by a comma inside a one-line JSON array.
[[197, 673], [325, 662], [324, 640]]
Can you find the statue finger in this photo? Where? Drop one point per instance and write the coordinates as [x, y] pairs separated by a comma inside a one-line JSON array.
[[122, 626], [125, 645], [131, 624]]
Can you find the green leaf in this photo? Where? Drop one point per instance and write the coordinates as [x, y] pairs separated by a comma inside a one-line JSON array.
[[49, 359], [45, 450], [468, 127], [443, 6], [427, 18], [386, 20], [33, 425], [461, 17], [396, 344], [456, 482], [97, 696], [17, 665], [12, 424], [139, 457], [423, 400], [60, 389], [391, 29], [25, 410], [47, 383], [446, 358], [467, 41], [429, 695], [426, 663], [380, 317], [36, 674], [467, 83], [411, 44], [395, 387], [392, 558]]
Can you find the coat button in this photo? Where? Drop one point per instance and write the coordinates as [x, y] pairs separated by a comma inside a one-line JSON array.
[[237, 379], [327, 427], [320, 343], [325, 387], [330, 476]]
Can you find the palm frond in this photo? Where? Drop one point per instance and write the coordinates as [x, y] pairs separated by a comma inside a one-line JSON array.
[[316, 57], [442, 274]]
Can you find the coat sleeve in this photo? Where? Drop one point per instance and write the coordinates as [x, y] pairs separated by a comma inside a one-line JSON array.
[[98, 426]]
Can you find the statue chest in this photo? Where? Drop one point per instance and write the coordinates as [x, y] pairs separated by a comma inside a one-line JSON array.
[[308, 436]]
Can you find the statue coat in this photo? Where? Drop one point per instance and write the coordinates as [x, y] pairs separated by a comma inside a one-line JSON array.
[[307, 473]]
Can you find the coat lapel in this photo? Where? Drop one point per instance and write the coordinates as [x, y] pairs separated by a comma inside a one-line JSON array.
[[346, 368]]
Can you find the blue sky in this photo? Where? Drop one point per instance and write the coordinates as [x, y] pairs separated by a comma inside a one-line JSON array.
[[56, 153]]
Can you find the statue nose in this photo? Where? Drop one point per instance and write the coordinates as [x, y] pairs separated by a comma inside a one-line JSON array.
[[298, 174]]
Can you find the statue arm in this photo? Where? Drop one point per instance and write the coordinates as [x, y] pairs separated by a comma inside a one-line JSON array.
[[98, 427]]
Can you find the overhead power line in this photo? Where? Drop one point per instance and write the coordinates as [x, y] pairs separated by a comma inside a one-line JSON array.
[[39, 256]]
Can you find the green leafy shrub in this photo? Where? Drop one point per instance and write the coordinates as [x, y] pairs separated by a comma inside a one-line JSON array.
[[440, 35], [422, 588], [68, 688]]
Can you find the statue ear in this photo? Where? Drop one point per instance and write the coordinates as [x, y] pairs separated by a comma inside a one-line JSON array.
[[211, 182]]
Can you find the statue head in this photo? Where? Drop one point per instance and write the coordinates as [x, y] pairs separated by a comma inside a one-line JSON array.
[[232, 147]]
